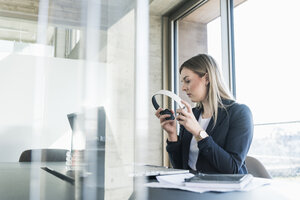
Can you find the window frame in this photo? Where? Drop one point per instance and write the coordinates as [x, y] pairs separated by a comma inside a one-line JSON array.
[[170, 53]]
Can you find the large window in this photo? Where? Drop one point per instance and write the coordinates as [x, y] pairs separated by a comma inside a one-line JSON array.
[[203, 27], [267, 78]]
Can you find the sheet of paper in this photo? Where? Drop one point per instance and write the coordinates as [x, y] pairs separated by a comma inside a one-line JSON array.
[[175, 179]]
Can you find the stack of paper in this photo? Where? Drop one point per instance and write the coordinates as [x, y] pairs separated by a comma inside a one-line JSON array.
[[178, 182]]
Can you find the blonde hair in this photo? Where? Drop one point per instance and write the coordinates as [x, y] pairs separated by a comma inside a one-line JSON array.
[[217, 90]]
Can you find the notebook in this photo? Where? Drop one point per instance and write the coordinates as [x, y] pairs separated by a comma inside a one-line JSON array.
[[228, 181]]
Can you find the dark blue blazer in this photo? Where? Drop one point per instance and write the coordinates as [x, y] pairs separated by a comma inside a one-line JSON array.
[[226, 148]]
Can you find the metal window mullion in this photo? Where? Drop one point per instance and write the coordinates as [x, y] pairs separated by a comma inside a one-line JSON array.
[[167, 59], [175, 67], [226, 8], [175, 78]]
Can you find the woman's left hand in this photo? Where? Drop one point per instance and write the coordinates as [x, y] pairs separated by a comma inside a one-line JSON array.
[[187, 119]]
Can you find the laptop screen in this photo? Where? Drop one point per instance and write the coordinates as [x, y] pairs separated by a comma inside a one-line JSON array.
[[93, 121]]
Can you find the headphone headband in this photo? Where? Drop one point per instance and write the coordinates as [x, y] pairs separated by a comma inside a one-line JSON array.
[[168, 93]]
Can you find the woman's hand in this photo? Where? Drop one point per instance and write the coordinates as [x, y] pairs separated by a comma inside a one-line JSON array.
[[188, 120], [168, 125]]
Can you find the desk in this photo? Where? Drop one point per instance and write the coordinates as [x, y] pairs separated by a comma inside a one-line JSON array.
[[259, 194], [278, 190], [15, 180]]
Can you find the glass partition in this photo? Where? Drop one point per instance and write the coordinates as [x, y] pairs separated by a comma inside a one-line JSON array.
[[74, 57]]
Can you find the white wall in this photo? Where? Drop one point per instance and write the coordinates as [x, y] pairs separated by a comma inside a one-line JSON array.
[[63, 94]]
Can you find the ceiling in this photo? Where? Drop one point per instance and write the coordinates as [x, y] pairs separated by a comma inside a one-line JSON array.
[[19, 18]]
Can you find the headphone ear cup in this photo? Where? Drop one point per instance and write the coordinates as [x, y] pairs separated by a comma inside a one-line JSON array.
[[167, 111]]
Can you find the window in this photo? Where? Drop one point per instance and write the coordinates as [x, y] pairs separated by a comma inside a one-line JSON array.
[[267, 76], [20, 37], [198, 32], [200, 28]]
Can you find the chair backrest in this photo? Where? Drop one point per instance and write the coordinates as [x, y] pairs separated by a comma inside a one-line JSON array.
[[256, 168], [47, 155]]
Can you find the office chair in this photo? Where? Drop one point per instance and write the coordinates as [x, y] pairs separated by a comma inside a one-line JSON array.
[[47, 155], [256, 168]]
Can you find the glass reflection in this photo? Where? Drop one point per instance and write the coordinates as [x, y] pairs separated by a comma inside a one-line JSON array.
[[62, 57]]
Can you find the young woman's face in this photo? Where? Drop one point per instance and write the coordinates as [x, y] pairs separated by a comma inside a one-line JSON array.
[[194, 85]]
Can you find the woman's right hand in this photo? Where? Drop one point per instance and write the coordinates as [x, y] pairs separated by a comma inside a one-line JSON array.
[[168, 125]]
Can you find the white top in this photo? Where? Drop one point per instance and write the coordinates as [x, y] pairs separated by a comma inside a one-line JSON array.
[[194, 150]]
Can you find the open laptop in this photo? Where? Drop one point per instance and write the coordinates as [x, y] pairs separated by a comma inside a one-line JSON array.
[[94, 153]]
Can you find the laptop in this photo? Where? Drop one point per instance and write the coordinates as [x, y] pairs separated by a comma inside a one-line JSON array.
[[95, 118]]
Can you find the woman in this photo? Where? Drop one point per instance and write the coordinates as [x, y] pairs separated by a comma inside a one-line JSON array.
[[215, 136]]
